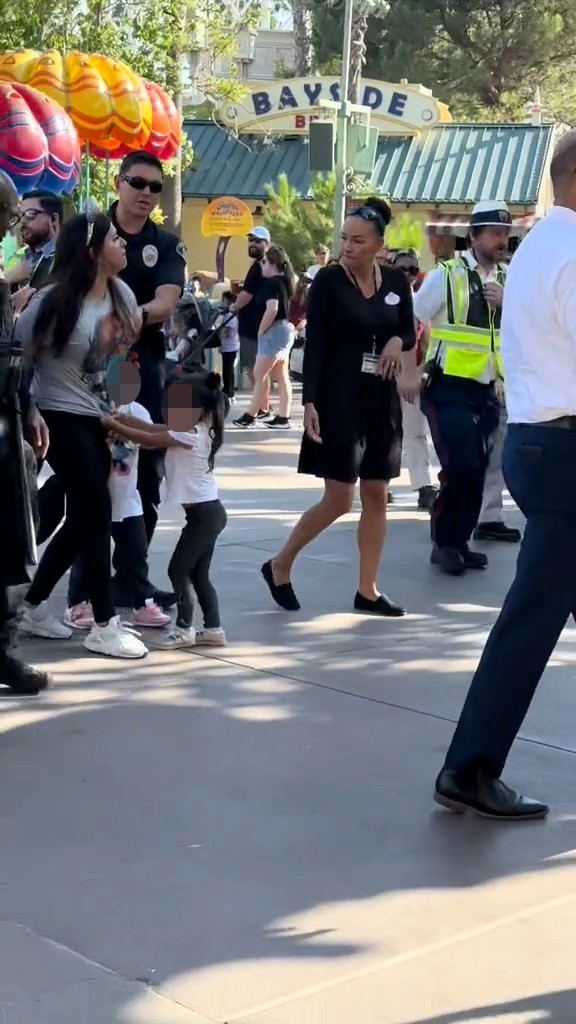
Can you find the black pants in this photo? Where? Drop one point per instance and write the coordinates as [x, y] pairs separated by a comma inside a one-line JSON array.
[[151, 461], [80, 457], [130, 561], [540, 472], [190, 564], [228, 372], [463, 417], [51, 507]]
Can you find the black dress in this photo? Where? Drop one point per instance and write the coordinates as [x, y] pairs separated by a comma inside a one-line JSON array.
[[360, 414]]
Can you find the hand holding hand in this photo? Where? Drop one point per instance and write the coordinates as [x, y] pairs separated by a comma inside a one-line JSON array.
[[390, 359]]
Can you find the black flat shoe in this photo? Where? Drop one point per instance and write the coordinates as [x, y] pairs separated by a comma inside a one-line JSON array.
[[449, 560], [282, 593], [489, 798], [381, 606], [474, 559], [497, 531]]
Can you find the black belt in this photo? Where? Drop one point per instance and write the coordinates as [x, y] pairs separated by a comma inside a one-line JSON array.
[[562, 423]]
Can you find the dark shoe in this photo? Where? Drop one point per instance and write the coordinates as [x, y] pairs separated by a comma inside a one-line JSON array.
[[426, 497], [246, 420], [22, 678], [263, 414], [381, 606], [165, 599], [489, 798], [474, 559], [282, 593], [391, 498], [450, 560], [278, 423], [497, 531]]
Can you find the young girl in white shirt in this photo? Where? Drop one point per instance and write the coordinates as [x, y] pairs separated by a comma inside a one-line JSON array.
[[191, 450]]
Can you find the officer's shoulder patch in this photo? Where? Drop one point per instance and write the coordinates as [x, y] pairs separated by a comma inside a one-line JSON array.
[[181, 250]]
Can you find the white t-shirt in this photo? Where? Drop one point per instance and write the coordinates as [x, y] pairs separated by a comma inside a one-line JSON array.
[[538, 330], [123, 483], [313, 270], [189, 479], [229, 337]]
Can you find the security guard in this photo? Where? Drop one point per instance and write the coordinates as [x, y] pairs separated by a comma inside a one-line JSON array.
[[16, 526], [461, 301], [155, 271]]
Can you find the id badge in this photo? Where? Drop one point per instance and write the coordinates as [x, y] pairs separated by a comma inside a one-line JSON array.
[[369, 363]]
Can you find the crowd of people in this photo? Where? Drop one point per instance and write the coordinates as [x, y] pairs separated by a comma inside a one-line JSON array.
[[385, 363]]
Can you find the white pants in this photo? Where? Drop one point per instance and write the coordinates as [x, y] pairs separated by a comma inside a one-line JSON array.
[[493, 499], [415, 450]]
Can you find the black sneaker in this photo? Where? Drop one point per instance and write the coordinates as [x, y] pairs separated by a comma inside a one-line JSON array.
[[450, 560], [497, 531], [21, 678], [246, 420], [474, 559], [279, 423], [426, 497], [262, 414], [165, 599]]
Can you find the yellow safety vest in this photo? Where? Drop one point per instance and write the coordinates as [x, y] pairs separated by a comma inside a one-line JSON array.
[[468, 350]]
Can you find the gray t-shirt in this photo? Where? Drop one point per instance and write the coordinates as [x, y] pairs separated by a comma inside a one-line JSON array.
[[75, 380]]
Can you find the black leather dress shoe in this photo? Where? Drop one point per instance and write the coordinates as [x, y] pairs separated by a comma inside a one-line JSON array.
[[474, 559], [450, 560], [489, 798], [497, 531]]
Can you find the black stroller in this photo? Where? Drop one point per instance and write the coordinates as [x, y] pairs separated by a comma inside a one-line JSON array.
[[201, 317]]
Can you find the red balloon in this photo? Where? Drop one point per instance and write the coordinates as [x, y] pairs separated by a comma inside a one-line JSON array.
[[38, 143]]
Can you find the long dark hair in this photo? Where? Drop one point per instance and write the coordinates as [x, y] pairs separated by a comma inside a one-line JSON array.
[[79, 244], [208, 392], [278, 257]]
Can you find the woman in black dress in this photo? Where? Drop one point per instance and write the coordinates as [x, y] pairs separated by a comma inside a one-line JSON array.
[[360, 321]]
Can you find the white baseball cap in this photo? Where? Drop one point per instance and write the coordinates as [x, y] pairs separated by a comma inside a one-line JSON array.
[[490, 214], [261, 233]]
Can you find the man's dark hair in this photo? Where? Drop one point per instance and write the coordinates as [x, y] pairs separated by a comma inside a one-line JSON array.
[[48, 201], [148, 159]]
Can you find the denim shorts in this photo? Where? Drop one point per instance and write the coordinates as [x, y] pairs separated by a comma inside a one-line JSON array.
[[278, 340]]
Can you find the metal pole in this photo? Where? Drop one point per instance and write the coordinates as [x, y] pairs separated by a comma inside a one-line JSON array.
[[342, 129]]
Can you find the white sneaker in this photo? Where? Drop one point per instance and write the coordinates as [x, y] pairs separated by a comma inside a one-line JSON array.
[[41, 622], [211, 637], [177, 639], [115, 641]]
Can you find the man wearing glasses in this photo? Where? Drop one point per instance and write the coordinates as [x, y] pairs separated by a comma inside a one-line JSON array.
[[40, 221], [16, 529], [155, 271]]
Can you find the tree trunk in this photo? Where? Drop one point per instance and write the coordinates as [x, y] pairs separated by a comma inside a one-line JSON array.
[[357, 56], [172, 192], [302, 21]]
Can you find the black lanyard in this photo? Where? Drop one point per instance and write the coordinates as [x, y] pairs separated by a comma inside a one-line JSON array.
[[357, 286]]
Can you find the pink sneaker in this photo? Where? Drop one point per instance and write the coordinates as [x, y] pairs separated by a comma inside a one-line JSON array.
[[150, 616], [79, 616]]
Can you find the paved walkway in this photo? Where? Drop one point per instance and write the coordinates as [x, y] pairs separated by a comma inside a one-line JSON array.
[[248, 835]]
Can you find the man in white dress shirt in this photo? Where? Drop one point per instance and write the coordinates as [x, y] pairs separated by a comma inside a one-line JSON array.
[[539, 350]]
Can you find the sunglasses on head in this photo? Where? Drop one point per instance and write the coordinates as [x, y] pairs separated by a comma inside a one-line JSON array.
[[141, 183], [367, 213]]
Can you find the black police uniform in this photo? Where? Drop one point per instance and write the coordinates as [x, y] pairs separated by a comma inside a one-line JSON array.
[[154, 258], [16, 525]]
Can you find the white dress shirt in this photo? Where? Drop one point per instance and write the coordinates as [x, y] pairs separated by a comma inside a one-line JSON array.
[[538, 331], [430, 302]]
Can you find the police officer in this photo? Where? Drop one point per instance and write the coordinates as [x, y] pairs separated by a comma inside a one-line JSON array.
[[155, 271], [16, 526], [462, 301]]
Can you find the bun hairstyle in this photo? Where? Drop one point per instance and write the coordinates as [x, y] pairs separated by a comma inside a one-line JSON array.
[[377, 211], [278, 257]]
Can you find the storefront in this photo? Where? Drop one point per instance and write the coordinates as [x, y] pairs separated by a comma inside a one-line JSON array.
[[426, 165]]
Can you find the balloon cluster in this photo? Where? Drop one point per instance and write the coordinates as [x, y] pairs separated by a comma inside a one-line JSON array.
[[113, 109], [39, 145]]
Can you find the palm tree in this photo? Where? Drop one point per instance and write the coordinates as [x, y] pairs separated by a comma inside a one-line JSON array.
[[302, 23]]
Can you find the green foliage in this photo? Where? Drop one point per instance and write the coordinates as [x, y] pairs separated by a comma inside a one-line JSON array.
[[300, 226], [484, 58], [405, 233]]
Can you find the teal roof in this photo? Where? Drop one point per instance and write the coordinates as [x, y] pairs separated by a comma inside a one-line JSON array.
[[456, 163]]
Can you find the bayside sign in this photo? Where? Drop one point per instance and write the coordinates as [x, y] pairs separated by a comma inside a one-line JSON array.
[[289, 106]]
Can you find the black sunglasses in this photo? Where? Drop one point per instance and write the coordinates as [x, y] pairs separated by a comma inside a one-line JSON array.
[[141, 183], [367, 213]]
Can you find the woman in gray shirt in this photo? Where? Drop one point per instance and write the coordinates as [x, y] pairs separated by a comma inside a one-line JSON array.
[[70, 332]]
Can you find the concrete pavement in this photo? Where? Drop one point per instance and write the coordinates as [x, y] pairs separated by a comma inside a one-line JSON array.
[[248, 835]]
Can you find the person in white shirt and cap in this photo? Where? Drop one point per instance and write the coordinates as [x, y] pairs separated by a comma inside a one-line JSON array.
[[461, 304], [539, 349]]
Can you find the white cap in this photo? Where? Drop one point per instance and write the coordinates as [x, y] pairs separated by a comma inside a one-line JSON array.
[[261, 233], [490, 213]]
